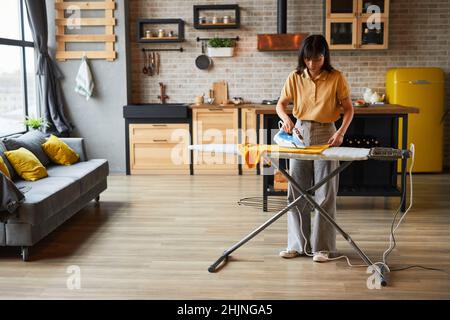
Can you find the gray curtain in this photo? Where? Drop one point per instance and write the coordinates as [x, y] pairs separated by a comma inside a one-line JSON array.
[[10, 197], [49, 75]]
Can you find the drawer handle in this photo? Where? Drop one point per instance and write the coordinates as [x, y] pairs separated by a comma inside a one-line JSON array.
[[216, 109], [159, 140], [159, 125]]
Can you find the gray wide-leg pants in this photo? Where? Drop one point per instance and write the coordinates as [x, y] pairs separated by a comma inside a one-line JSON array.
[[307, 173]]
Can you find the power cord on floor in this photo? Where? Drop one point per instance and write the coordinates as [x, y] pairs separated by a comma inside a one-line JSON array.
[[422, 267], [392, 242]]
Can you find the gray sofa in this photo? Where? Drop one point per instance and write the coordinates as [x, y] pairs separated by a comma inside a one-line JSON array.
[[49, 202]]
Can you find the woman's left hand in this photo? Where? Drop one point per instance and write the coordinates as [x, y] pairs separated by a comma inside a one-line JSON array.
[[336, 140]]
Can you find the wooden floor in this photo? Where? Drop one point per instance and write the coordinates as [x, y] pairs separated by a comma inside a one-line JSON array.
[[153, 237]]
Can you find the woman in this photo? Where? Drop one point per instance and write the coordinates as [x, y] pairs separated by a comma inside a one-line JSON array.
[[317, 91]]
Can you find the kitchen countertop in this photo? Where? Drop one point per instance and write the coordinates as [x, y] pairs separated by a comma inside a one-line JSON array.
[[270, 109]]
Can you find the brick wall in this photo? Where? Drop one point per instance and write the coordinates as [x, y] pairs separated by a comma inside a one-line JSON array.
[[419, 36]]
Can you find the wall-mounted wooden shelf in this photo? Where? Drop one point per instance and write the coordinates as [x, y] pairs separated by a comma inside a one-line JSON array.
[[75, 21], [234, 23], [143, 26], [218, 25]]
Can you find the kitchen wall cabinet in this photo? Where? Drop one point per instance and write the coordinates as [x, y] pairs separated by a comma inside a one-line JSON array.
[[351, 24], [159, 148], [215, 125]]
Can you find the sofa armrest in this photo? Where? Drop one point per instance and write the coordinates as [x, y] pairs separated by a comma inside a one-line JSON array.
[[77, 144]]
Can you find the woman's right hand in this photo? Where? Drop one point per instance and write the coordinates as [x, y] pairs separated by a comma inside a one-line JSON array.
[[288, 125]]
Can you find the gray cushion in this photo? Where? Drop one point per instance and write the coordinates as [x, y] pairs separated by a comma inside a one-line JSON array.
[[89, 173], [11, 170], [31, 141], [46, 197]]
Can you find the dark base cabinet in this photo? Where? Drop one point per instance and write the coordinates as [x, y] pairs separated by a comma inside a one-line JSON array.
[[371, 177]]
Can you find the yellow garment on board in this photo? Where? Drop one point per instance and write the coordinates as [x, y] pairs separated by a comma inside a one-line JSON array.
[[252, 153]]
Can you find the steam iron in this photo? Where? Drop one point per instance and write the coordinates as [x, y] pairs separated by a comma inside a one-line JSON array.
[[284, 139]]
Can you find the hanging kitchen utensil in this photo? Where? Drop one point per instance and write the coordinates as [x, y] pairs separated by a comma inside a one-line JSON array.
[[154, 63], [203, 62], [150, 66], [158, 62], [145, 70]]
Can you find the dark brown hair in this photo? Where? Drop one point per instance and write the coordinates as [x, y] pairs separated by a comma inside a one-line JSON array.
[[314, 46]]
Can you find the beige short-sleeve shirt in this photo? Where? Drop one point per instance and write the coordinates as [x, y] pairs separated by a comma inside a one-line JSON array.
[[317, 99]]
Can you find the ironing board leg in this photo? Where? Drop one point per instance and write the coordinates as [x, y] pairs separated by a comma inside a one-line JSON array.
[[227, 252], [325, 215], [306, 194]]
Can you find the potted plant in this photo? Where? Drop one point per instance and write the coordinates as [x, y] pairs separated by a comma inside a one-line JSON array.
[[35, 123], [218, 47]]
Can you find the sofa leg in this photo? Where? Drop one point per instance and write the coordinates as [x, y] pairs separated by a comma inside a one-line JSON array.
[[97, 199], [25, 253]]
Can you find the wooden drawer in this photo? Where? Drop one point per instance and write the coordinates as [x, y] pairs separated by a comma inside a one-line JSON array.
[[159, 158], [159, 148], [158, 133]]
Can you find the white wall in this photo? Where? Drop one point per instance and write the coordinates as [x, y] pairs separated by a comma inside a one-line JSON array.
[[98, 120]]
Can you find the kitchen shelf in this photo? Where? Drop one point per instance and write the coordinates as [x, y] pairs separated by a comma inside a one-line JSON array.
[[236, 20], [143, 26], [217, 24], [159, 38]]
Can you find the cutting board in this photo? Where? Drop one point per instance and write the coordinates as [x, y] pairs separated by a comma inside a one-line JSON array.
[[220, 92]]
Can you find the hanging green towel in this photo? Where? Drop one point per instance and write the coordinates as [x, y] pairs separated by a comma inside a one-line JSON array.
[[84, 81]]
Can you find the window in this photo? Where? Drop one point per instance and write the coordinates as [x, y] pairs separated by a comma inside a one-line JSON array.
[[17, 68]]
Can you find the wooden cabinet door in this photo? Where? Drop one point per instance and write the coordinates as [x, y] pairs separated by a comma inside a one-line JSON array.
[[341, 8], [159, 148], [341, 33], [215, 126], [375, 38], [367, 7]]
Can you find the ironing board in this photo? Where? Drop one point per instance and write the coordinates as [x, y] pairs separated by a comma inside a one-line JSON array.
[[345, 154]]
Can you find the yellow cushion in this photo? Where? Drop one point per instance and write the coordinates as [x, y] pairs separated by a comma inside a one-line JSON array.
[[59, 152], [26, 164], [4, 168]]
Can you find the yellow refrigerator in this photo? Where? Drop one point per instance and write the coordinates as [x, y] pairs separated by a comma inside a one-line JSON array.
[[422, 88]]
